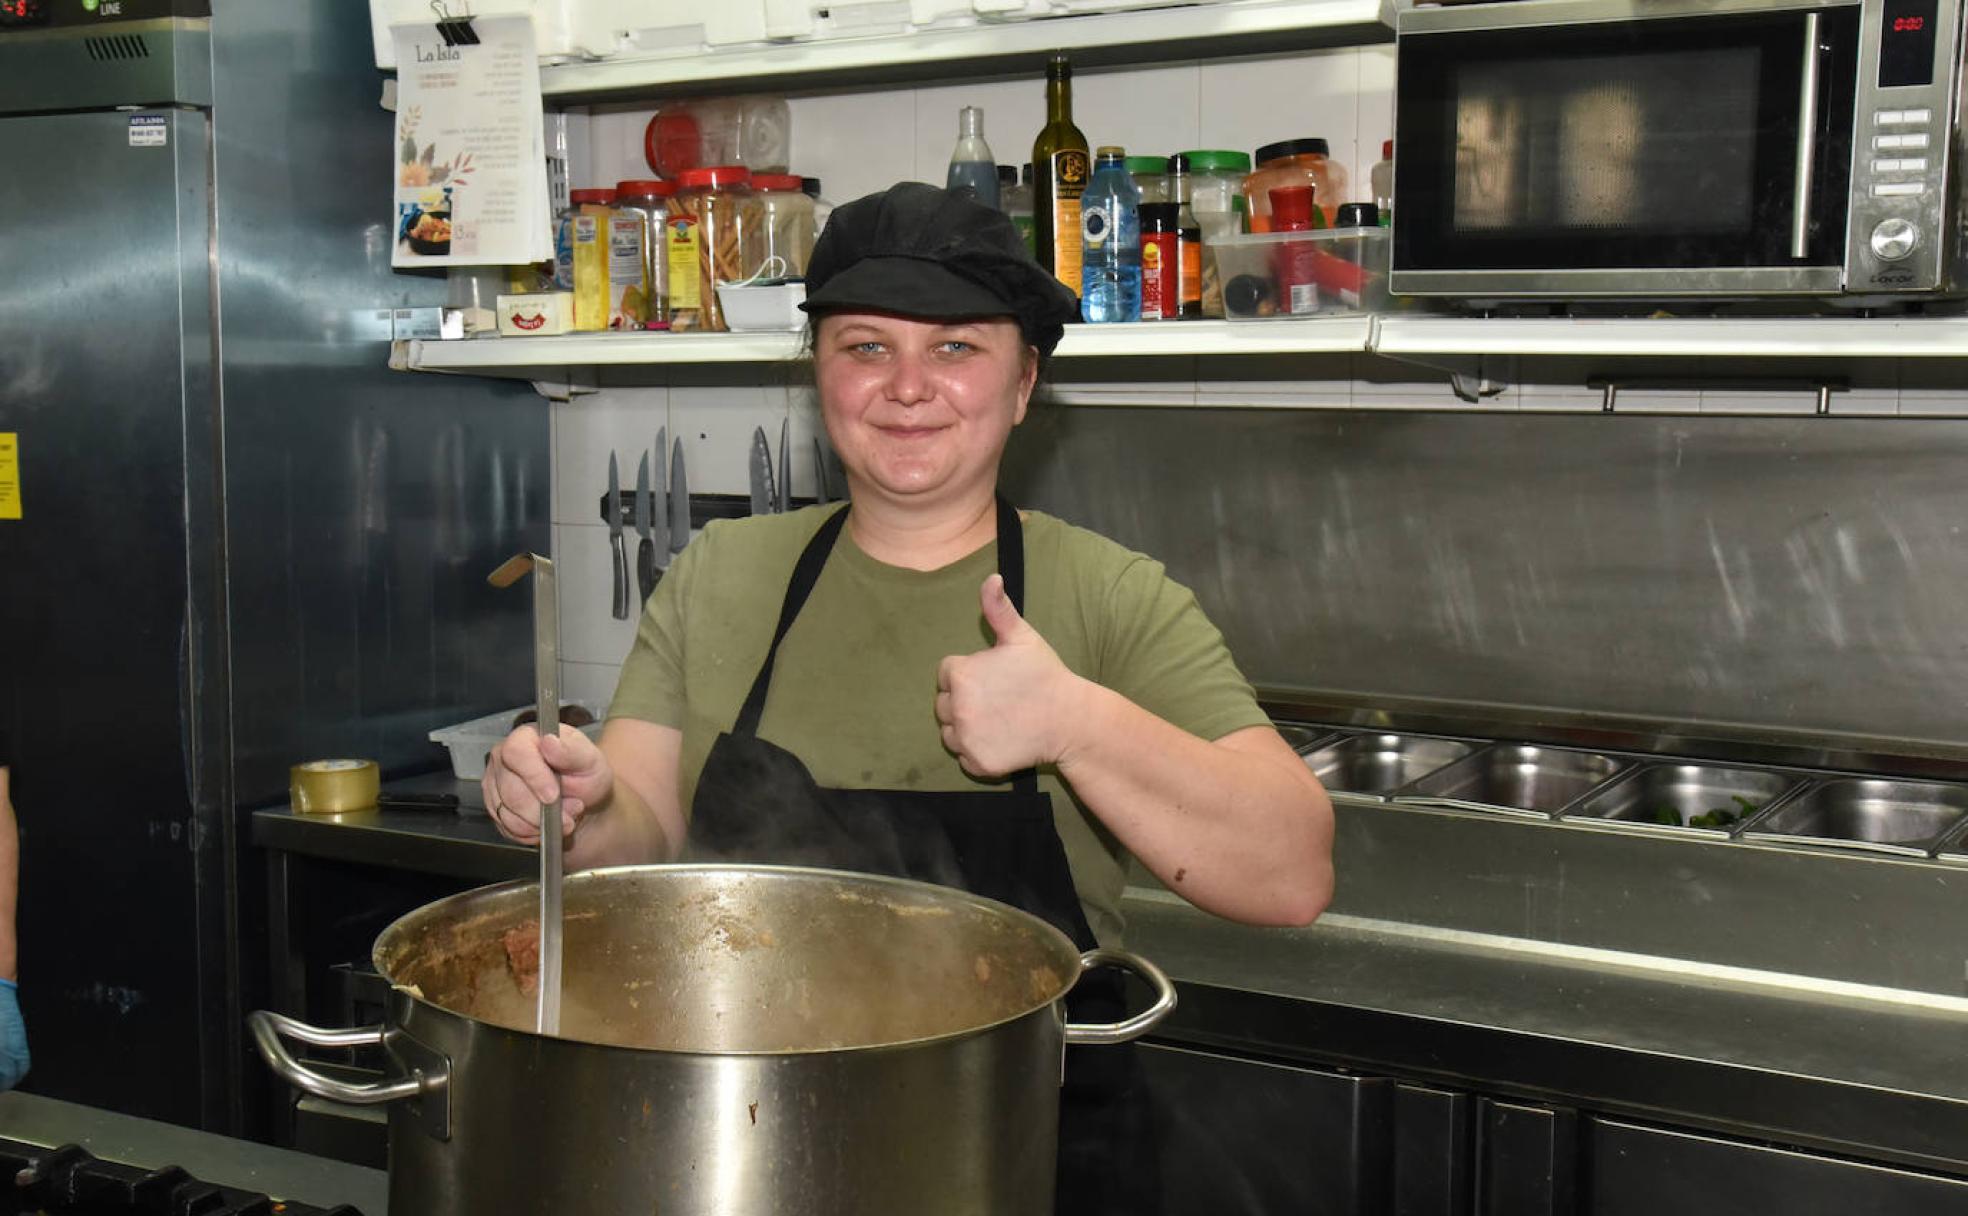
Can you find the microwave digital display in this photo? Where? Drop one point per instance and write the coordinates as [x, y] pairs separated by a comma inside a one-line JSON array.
[[1906, 43]]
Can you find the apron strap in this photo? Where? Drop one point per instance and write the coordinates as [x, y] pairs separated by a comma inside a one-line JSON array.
[[806, 574], [1011, 566]]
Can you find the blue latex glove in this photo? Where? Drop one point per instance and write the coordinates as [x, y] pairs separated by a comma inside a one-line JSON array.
[[13, 1037]]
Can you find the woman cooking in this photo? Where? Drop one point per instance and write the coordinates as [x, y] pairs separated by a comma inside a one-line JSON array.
[[930, 683]]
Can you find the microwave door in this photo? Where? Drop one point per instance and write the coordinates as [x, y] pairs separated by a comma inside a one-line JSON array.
[[1698, 155]]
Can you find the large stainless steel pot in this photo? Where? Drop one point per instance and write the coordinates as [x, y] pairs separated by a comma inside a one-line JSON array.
[[733, 1040]]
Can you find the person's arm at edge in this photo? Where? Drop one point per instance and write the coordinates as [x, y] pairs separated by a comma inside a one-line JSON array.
[[9, 881]]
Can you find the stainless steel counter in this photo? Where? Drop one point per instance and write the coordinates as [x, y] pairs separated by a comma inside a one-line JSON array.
[[221, 1160], [1746, 989]]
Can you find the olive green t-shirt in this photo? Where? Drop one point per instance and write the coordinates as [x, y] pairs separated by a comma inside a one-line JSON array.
[[853, 692]]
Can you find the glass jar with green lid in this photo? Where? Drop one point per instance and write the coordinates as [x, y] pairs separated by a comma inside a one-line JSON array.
[[1150, 174], [1212, 184]]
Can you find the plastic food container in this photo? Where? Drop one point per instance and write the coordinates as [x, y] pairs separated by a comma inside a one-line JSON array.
[[1295, 162], [1296, 274], [762, 309], [705, 243], [471, 742]]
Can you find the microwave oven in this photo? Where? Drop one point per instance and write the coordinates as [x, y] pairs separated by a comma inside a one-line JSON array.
[[1595, 149]]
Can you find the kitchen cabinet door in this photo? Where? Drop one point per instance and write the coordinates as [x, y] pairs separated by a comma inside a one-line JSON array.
[[1527, 1159], [1242, 1137], [1646, 1171]]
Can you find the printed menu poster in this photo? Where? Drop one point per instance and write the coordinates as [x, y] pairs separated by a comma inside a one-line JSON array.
[[470, 165]]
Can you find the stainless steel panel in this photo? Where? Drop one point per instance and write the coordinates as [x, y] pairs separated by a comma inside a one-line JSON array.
[[112, 650], [1533, 13], [1380, 764], [1892, 816], [1669, 797], [1721, 578], [163, 62], [1514, 777], [365, 507], [1707, 281]]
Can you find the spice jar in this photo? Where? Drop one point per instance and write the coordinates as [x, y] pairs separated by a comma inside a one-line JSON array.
[[1295, 162], [1212, 181], [648, 203], [704, 242], [781, 233]]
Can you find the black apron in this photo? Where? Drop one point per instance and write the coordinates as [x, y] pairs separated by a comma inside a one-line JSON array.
[[758, 802]]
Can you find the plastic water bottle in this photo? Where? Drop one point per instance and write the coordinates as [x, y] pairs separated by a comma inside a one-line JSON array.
[[1110, 241], [973, 171]]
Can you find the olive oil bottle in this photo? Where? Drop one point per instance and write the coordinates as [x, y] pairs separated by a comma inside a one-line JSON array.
[[1059, 177]]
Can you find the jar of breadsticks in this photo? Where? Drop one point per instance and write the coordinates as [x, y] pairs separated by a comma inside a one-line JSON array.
[[706, 242]]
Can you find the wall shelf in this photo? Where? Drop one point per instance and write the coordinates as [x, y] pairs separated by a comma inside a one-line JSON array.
[[1399, 337], [526, 358], [1096, 39]]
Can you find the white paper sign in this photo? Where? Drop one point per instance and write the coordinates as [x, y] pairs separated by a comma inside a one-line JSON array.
[[149, 131], [470, 162]]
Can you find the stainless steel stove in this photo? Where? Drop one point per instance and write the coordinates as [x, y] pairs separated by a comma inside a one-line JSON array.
[[70, 1181]]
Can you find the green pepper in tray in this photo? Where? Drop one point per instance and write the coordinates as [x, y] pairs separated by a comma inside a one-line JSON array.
[[1666, 815]]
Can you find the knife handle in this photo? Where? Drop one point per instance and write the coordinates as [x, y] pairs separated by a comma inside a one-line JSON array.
[[646, 567], [621, 577]]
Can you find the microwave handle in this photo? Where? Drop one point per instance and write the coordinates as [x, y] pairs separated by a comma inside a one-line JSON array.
[[1807, 141]]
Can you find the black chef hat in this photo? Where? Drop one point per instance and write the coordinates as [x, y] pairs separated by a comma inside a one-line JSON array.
[[920, 251]]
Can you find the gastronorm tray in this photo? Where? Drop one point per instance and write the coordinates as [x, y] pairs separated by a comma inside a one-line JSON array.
[[1907, 818], [1305, 736], [1635, 800], [1377, 764], [1515, 779]]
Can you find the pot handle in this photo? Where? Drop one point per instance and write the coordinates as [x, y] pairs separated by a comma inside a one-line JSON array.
[[269, 1027], [1141, 1023]]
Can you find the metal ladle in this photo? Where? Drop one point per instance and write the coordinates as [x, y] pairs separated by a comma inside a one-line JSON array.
[[546, 684]]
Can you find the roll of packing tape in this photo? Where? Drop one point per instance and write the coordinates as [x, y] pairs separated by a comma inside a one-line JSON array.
[[322, 786]]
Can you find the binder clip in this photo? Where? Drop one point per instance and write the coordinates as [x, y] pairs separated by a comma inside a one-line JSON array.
[[456, 30]]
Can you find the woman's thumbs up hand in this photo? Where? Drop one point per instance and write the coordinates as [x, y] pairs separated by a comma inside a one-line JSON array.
[[1009, 707]]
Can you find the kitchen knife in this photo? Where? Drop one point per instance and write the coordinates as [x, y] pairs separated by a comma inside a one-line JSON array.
[[659, 500], [820, 494], [646, 547], [759, 468], [615, 543], [785, 482], [679, 500]]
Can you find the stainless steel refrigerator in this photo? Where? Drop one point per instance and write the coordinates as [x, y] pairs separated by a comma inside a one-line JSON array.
[[242, 541]]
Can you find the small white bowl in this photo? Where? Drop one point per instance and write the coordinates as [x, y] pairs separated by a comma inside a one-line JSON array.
[[762, 309]]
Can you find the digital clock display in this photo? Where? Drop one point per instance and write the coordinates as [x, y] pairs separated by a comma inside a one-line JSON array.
[[17, 13], [1906, 43]]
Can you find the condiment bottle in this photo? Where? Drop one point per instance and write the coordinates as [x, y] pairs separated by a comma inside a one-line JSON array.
[[1294, 162], [1160, 291], [1059, 177], [1017, 203], [1188, 244], [643, 203], [1215, 179], [1381, 178], [973, 170], [1294, 264]]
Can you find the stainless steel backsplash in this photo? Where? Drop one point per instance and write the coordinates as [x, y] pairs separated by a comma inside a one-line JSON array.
[[1795, 578]]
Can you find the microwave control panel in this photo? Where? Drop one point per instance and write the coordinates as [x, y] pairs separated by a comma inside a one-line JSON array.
[[1902, 175]]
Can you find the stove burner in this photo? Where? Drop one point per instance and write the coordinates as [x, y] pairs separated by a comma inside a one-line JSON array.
[[68, 1181]]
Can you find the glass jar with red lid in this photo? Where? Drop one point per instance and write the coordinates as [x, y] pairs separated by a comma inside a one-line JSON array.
[[704, 239], [647, 201], [780, 236]]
